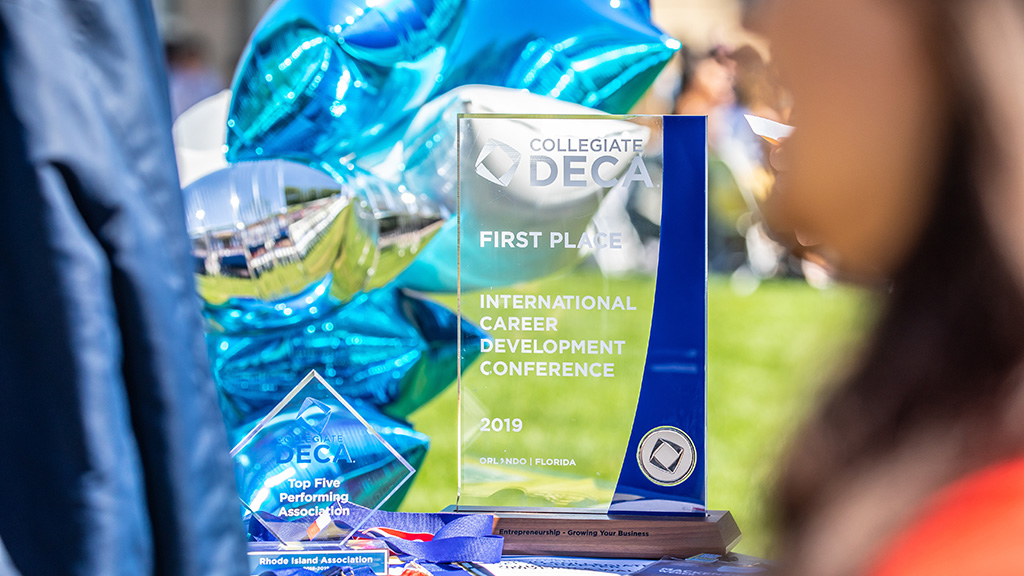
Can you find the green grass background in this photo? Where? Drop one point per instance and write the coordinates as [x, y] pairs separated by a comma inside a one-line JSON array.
[[587, 419], [769, 354]]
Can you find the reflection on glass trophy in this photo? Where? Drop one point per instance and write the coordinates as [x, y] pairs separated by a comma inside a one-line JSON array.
[[582, 247], [308, 471]]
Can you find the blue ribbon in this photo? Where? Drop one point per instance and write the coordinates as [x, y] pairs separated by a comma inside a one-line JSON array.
[[456, 537]]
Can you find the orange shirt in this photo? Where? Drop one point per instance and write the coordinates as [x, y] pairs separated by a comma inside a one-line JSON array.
[[975, 527]]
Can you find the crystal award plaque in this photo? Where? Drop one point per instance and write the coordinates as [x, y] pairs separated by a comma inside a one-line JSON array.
[[310, 470], [582, 255]]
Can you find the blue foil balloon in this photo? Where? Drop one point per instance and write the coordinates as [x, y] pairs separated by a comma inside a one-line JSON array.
[[388, 348], [319, 77], [329, 81], [603, 54]]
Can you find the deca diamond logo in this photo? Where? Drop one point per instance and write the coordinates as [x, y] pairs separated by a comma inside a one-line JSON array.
[[512, 156], [310, 441], [667, 456]]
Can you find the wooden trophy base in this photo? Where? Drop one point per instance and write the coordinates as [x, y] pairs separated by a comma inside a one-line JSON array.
[[603, 536]]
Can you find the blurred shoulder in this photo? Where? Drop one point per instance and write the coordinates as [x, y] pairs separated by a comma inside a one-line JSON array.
[[974, 527]]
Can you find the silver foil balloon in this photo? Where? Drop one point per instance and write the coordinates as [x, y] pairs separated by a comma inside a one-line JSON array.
[[395, 225], [430, 161], [277, 243], [199, 138]]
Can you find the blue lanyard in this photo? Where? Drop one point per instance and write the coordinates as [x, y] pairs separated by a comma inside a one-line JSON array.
[[455, 537]]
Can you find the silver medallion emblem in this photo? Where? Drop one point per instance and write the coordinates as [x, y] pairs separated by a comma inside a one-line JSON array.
[[666, 456]]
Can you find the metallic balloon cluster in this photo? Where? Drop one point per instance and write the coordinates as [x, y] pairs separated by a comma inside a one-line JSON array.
[[325, 190], [326, 81]]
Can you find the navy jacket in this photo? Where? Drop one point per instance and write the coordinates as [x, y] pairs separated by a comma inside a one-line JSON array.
[[113, 457]]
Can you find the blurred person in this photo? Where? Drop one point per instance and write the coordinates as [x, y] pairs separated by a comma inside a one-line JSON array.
[[736, 203], [757, 88], [706, 89], [906, 173], [113, 458], [706, 85], [758, 92], [737, 175], [190, 77]]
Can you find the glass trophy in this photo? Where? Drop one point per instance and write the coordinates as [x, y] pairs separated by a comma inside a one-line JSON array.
[[310, 473], [582, 256]]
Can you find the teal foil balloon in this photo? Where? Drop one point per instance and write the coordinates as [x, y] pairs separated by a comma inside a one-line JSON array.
[[328, 82], [287, 455], [320, 77], [603, 54], [277, 243], [388, 348]]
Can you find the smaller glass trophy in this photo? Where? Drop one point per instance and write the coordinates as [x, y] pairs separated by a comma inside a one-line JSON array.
[[310, 474]]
